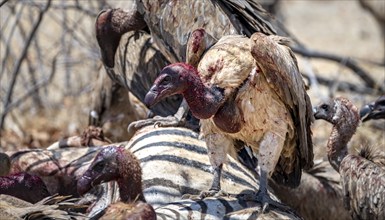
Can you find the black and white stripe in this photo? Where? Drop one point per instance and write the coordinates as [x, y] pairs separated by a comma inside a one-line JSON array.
[[175, 162]]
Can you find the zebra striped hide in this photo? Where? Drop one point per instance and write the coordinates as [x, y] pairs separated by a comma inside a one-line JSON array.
[[174, 162], [218, 209]]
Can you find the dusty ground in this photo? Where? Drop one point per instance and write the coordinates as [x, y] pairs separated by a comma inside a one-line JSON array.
[[335, 26]]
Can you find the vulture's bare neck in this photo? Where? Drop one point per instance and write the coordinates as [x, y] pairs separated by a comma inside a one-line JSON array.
[[347, 120], [110, 26], [125, 21], [130, 181], [204, 101]]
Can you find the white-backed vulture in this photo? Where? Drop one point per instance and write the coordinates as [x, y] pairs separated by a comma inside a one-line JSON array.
[[115, 163], [363, 175], [248, 90]]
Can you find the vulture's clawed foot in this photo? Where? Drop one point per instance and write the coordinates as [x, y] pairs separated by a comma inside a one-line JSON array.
[[205, 194], [264, 199], [169, 121], [157, 121]]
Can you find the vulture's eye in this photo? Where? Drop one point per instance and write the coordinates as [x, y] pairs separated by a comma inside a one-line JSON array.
[[324, 107], [99, 166], [166, 80]]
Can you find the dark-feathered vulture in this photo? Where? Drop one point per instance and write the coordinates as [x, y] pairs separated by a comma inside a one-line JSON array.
[[363, 175], [249, 90], [170, 24], [374, 110], [118, 164]]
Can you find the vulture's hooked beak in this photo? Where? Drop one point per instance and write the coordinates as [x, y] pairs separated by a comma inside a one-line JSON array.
[[365, 111], [315, 109], [84, 185], [152, 97], [317, 113]]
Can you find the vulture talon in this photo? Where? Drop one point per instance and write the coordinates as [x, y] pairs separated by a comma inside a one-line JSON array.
[[205, 194], [157, 121], [265, 200], [169, 121], [213, 193]]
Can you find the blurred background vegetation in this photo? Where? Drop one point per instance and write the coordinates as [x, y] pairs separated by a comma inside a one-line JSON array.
[[50, 63]]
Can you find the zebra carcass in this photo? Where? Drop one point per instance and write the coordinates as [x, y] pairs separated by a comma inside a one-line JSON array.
[[171, 160]]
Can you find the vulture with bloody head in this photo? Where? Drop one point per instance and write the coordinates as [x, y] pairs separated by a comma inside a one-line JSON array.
[[247, 90]]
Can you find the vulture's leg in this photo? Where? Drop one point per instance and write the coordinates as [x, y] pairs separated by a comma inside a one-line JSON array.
[[218, 146], [178, 119], [269, 152]]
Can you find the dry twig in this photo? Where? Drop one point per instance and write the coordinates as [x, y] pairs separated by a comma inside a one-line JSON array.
[[15, 72]]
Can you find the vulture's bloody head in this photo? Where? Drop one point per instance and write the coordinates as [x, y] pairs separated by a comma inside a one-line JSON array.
[[173, 79], [104, 168], [25, 186]]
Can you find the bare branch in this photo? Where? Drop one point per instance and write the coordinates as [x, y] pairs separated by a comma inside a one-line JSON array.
[[8, 45], [308, 70], [301, 49], [68, 6], [351, 64], [15, 72], [342, 85], [3, 2], [34, 88]]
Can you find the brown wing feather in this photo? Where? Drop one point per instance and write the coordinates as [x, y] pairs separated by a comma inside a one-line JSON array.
[[363, 184], [171, 22], [279, 66], [250, 16]]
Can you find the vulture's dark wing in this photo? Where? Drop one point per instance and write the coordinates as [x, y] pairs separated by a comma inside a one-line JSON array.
[[248, 16], [171, 22], [137, 63]]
